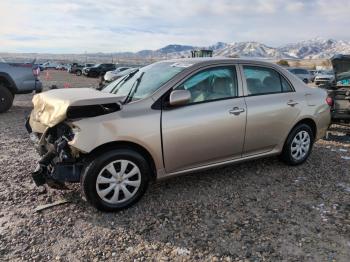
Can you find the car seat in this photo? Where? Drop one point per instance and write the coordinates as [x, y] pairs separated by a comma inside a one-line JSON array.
[[254, 86], [222, 87]]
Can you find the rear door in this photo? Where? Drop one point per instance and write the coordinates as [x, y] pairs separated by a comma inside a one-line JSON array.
[[209, 129], [272, 107]]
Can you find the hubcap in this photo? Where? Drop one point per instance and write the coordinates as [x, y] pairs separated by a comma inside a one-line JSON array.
[[118, 181], [300, 145]]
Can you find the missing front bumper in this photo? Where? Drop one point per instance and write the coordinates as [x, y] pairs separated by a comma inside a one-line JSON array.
[[57, 165], [57, 176]]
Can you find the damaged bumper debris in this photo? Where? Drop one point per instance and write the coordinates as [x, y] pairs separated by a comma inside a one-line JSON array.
[[58, 163]]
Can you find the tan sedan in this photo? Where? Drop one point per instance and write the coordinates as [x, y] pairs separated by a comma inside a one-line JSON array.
[[170, 118]]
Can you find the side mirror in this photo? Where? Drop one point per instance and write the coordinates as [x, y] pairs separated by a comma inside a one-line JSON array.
[[179, 97]]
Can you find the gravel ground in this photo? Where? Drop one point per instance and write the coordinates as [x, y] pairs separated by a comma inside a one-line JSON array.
[[257, 211]]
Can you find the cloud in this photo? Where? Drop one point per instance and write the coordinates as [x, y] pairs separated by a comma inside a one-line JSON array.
[[295, 6], [131, 25]]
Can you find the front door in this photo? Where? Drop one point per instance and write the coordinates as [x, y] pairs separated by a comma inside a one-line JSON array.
[[210, 128]]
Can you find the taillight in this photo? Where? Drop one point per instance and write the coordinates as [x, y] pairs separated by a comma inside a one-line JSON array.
[[329, 101], [36, 71]]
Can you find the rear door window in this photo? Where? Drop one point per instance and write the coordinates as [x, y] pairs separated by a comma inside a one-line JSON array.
[[263, 80]]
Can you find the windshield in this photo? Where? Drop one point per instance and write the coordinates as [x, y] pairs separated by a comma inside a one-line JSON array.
[[325, 72], [146, 80]]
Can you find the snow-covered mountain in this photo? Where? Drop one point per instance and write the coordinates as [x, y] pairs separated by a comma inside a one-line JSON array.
[[249, 49], [314, 48]]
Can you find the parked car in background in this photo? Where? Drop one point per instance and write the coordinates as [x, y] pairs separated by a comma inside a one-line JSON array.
[[104, 82], [76, 68], [98, 70], [313, 75], [62, 67], [15, 79], [49, 65], [339, 89], [170, 118], [324, 77], [113, 75], [302, 73]]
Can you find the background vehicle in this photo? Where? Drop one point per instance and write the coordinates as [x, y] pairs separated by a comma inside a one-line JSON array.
[[170, 118], [98, 70], [303, 74], [76, 68], [313, 75], [339, 89], [324, 77], [17, 79], [64, 67], [49, 65], [113, 75]]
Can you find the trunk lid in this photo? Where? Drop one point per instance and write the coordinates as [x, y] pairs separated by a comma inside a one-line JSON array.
[[340, 92], [341, 66]]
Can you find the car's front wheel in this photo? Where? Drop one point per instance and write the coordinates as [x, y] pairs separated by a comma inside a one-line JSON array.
[[115, 180], [298, 145], [78, 72]]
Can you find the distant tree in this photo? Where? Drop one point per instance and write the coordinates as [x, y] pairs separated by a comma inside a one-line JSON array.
[[283, 63], [326, 63]]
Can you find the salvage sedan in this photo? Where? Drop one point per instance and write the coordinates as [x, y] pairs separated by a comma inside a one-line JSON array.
[[170, 118]]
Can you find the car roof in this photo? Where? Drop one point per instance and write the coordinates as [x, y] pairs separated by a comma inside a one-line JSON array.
[[216, 60], [289, 68]]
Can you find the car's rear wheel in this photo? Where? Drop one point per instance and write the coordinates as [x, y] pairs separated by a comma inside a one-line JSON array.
[[115, 180], [6, 98], [298, 145], [78, 72]]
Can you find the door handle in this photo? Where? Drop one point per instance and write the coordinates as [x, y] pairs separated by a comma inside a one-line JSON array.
[[236, 111], [292, 103]]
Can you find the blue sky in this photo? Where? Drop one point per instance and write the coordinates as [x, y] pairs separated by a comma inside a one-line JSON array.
[[119, 25]]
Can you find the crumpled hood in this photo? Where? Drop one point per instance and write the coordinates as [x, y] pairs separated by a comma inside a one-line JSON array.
[[50, 108]]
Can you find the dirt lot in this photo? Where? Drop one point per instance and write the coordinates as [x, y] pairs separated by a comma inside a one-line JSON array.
[[257, 211]]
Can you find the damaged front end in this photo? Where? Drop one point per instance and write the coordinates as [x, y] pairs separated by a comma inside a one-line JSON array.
[[50, 127], [59, 162]]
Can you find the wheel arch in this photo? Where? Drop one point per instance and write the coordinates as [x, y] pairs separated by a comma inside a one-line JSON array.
[[128, 145], [9, 83], [310, 122]]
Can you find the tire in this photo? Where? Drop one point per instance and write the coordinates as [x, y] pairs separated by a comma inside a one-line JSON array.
[[6, 98], [105, 191], [290, 154], [305, 81], [78, 72]]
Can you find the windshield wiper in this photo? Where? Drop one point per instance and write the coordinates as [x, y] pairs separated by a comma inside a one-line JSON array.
[[133, 89], [124, 80]]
